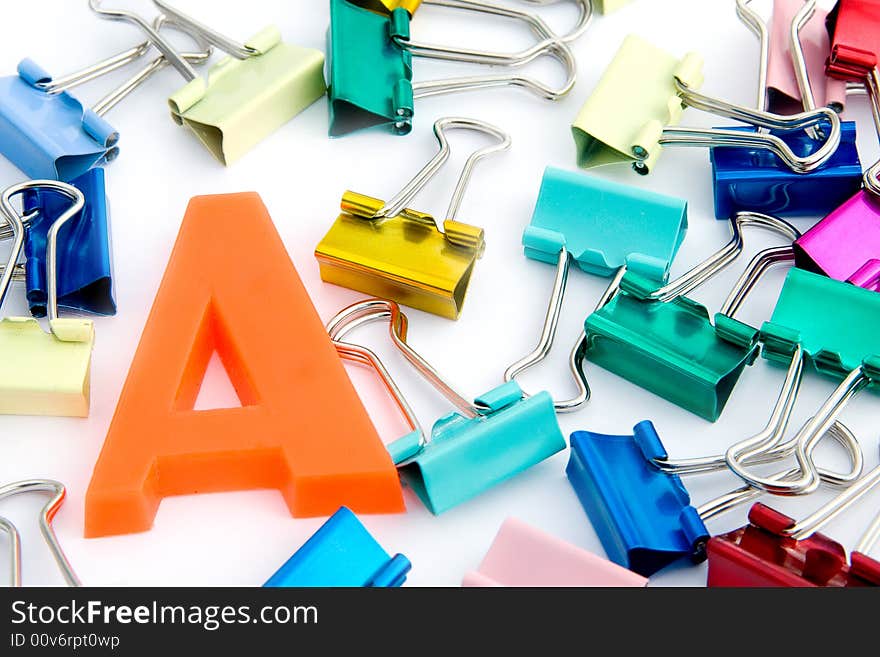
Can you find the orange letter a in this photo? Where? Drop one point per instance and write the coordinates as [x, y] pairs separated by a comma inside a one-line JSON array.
[[230, 287]]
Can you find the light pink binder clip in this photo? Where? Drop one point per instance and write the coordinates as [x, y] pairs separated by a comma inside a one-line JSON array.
[[783, 90], [524, 556]]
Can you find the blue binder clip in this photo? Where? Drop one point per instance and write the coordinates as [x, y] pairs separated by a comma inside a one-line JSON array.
[[483, 444], [370, 61], [639, 506], [84, 259], [342, 553], [749, 179], [606, 228], [48, 134]]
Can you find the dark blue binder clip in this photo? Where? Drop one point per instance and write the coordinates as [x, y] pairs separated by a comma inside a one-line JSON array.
[[747, 179], [85, 264], [342, 553], [643, 516]]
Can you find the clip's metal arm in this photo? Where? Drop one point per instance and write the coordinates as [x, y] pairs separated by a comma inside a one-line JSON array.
[[373, 310], [548, 336], [162, 45], [215, 38], [46, 515], [758, 27], [413, 187], [805, 441], [724, 257], [67, 82]]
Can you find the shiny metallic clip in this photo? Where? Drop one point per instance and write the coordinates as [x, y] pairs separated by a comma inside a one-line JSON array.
[[46, 516], [47, 133], [469, 451], [749, 179], [521, 556], [832, 324], [262, 85], [391, 251], [641, 512], [775, 550], [604, 227], [45, 373], [342, 553], [644, 91], [371, 56], [666, 343]]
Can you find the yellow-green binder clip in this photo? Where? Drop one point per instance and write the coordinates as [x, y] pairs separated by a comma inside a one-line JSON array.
[[45, 373], [645, 90], [607, 6], [247, 96]]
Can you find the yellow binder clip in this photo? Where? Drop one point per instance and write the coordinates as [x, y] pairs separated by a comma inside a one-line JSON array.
[[607, 6], [645, 90], [247, 96], [390, 251], [388, 6], [43, 373]]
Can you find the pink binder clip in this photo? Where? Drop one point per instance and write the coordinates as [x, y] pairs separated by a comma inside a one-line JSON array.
[[783, 91], [524, 556]]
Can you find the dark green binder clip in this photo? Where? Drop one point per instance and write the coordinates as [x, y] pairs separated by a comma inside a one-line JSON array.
[[668, 344], [370, 58]]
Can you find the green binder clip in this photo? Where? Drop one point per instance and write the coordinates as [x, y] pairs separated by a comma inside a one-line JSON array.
[[44, 373], [605, 228], [247, 96], [644, 91], [484, 443], [371, 59], [666, 343]]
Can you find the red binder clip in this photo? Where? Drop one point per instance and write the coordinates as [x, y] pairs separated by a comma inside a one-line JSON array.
[[854, 27], [774, 550]]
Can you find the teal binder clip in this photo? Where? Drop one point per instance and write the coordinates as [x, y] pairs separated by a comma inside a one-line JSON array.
[[370, 60], [606, 228], [666, 343], [342, 553], [469, 451]]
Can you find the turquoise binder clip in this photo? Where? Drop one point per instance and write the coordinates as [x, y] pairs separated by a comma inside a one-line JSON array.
[[483, 444], [605, 228], [370, 58], [47, 133], [666, 343], [342, 553]]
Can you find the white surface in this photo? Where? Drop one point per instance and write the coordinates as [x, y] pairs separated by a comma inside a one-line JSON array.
[[241, 538]]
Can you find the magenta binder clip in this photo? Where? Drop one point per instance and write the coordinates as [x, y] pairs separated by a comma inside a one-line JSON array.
[[524, 556]]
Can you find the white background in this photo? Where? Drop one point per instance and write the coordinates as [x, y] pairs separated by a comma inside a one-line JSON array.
[[241, 538]]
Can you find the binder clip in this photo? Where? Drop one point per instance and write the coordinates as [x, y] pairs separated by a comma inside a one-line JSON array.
[[46, 373], [644, 91], [342, 553], [83, 250], [775, 550], [853, 26], [666, 343], [749, 179], [387, 7], [794, 48], [604, 227], [845, 245], [371, 65], [607, 6], [248, 96], [524, 556], [832, 323], [47, 133], [484, 443], [394, 252], [46, 516]]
